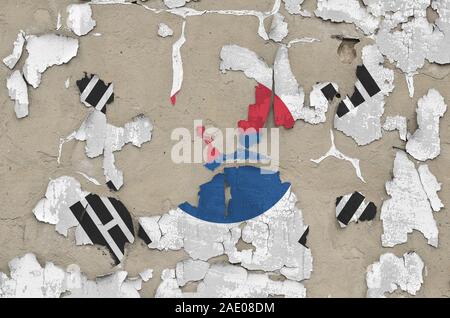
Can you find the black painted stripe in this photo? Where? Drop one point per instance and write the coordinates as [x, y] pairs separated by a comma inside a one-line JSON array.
[[123, 213], [329, 91], [338, 200], [110, 184], [97, 93], [356, 98], [91, 229], [350, 208], [143, 235], [83, 83], [342, 109], [119, 237], [88, 225], [367, 80], [302, 240], [369, 212], [99, 208]]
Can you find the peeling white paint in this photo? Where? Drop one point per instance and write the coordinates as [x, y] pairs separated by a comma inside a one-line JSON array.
[[349, 11], [90, 179], [18, 92], [279, 28], [79, 18], [103, 138], [302, 40], [62, 141], [425, 143], [236, 58], [406, 36], [408, 208], [12, 59], [175, 3], [28, 279], [176, 230], [58, 22], [177, 64], [230, 281], [61, 194], [397, 123], [286, 85], [190, 271], [164, 30], [393, 272], [146, 275], [293, 96], [363, 123], [294, 7], [272, 249], [431, 187], [334, 152], [45, 51], [410, 83]]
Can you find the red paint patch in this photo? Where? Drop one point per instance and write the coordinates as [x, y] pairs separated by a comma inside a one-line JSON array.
[[282, 115], [173, 99], [259, 111]]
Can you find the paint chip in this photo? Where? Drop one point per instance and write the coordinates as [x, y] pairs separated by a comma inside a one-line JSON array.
[[171, 4], [397, 123], [230, 281], [406, 36], [425, 143], [12, 59], [408, 208], [190, 271], [164, 30], [28, 279], [294, 7], [431, 187], [79, 18], [177, 65], [279, 28], [18, 92], [45, 51], [349, 11], [393, 272], [146, 275]]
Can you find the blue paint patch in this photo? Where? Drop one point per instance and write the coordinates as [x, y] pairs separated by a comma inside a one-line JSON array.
[[252, 193]]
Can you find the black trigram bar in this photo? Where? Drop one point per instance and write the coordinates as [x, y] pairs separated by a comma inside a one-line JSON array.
[[94, 92], [352, 205], [106, 221], [143, 235], [368, 83], [303, 239], [329, 92]]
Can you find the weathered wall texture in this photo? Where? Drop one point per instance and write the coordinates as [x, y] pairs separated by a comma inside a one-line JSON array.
[[130, 54]]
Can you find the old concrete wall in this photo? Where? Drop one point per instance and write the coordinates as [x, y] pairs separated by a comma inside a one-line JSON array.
[[130, 54]]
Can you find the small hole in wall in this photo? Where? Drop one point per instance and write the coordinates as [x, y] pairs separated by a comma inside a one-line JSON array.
[[347, 51]]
